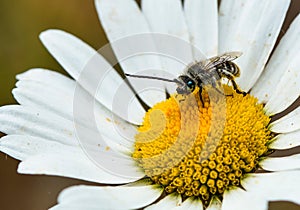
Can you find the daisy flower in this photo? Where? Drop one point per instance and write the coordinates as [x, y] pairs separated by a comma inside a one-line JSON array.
[[181, 153]]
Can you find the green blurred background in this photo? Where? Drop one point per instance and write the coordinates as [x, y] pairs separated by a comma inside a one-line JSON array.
[[21, 21]]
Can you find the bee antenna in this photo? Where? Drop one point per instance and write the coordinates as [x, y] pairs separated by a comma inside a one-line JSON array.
[[152, 77]]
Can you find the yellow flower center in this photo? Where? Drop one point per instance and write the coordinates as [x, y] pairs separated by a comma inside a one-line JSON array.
[[201, 150]]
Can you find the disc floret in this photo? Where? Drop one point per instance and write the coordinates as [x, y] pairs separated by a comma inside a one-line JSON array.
[[187, 147]]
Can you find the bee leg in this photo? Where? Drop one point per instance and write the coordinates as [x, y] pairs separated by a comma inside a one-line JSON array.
[[236, 88], [200, 95]]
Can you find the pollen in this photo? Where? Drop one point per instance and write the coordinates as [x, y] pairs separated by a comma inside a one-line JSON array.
[[201, 147]]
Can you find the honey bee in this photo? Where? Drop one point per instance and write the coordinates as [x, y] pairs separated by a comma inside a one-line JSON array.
[[206, 72]]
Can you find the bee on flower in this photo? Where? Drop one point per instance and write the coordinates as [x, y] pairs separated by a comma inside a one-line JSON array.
[[206, 146]]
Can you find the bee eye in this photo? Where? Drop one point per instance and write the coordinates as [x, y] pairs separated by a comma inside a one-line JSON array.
[[191, 85], [187, 86]]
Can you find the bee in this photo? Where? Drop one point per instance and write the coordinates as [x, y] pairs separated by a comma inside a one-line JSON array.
[[210, 72], [206, 72]]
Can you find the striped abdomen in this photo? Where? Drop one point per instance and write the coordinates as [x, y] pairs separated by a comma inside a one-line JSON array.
[[228, 69]]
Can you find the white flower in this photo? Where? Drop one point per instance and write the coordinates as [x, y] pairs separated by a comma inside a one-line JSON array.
[[41, 133]]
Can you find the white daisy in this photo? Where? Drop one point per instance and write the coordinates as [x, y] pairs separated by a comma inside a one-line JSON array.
[[41, 132]]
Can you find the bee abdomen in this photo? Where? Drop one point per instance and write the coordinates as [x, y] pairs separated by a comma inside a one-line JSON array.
[[228, 69]]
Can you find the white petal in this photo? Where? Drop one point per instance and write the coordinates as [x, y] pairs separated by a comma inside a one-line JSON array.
[[282, 66], [128, 33], [22, 147], [122, 15], [121, 197], [244, 28], [60, 101], [92, 72], [168, 202], [286, 141], [46, 89], [16, 119], [41, 156], [276, 186], [238, 199], [36, 91], [281, 163], [48, 77], [202, 19], [65, 164], [167, 17], [190, 204], [24, 120], [287, 90], [100, 122], [215, 204], [69, 51], [288, 123], [54, 99]]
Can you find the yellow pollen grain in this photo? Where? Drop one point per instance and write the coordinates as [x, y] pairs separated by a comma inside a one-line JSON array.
[[195, 150]]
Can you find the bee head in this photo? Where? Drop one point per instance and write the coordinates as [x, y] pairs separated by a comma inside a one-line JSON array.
[[186, 85]]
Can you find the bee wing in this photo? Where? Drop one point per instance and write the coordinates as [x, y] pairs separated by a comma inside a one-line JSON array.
[[214, 61]]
